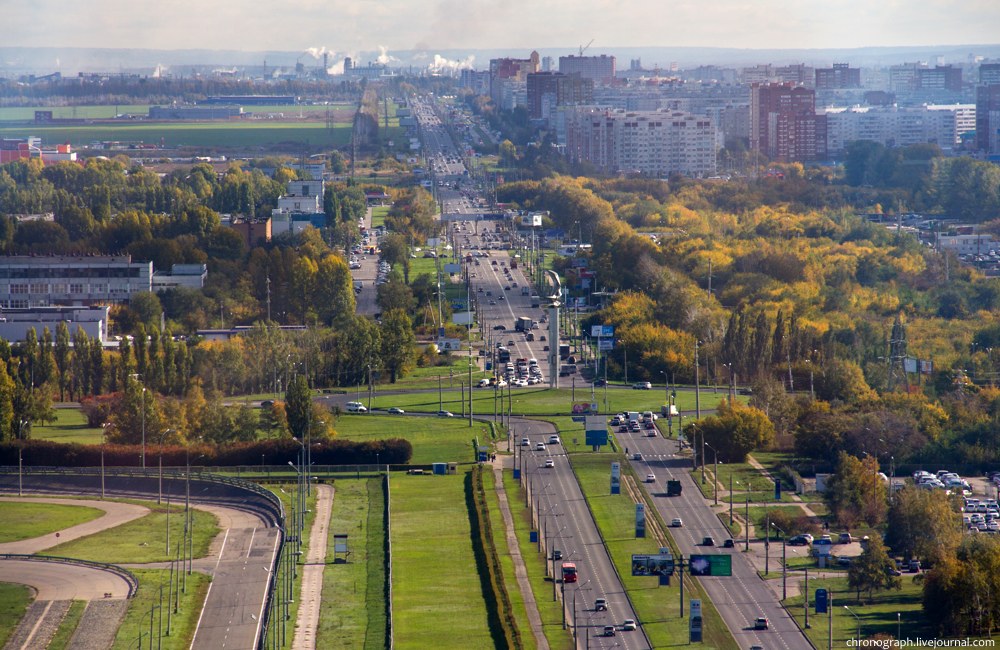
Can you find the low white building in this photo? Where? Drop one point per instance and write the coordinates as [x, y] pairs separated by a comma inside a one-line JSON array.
[[15, 323], [46, 280]]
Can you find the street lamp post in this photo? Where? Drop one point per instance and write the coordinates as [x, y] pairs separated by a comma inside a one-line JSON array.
[[715, 456], [730, 498], [784, 565], [856, 619], [575, 592]]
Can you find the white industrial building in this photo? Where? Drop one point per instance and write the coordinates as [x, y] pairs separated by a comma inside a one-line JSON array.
[[15, 323], [40, 281]]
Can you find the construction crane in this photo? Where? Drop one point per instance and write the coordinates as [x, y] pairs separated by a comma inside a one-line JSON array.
[[583, 48]]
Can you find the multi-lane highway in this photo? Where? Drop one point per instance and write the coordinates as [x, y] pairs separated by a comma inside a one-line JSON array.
[[739, 599]]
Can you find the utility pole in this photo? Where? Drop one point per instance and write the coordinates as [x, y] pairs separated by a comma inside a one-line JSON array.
[[697, 382]]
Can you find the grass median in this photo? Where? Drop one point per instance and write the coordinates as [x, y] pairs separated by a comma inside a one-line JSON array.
[[437, 596], [144, 539], [287, 493], [353, 613], [14, 601], [68, 625], [24, 520]]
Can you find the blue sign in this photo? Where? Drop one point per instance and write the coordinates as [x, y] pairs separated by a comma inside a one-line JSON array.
[[640, 520], [777, 489], [517, 473], [597, 438], [822, 601], [533, 536], [616, 477]]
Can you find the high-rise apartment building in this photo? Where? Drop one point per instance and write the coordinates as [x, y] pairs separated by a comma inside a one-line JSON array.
[[988, 119], [653, 143], [601, 69], [784, 125], [841, 75], [508, 70], [546, 90]]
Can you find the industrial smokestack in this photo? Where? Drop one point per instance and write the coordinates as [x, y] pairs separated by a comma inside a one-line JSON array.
[[326, 63]]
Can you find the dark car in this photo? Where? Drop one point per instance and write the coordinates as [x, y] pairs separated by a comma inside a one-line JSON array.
[[599, 382], [266, 404], [728, 544], [708, 541], [499, 328]]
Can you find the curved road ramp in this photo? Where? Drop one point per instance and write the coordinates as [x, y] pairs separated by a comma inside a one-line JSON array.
[[235, 609]]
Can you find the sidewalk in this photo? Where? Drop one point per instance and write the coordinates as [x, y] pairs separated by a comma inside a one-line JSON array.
[[515, 551], [311, 596]]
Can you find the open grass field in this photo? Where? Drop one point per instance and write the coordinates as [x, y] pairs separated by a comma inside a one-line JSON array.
[[182, 624], [143, 539], [378, 215], [655, 606], [14, 601], [70, 426], [549, 609], [68, 625], [353, 610], [877, 617], [434, 440], [437, 597], [28, 520]]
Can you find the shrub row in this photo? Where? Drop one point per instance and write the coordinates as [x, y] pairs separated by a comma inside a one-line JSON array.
[[277, 451], [503, 625]]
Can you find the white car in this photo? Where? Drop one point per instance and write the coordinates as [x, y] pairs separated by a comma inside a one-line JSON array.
[[395, 410], [650, 478], [629, 625], [553, 440], [549, 462], [676, 523], [540, 446], [445, 414]]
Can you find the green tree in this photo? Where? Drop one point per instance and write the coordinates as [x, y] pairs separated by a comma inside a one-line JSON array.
[[734, 431], [298, 406], [855, 492], [398, 343], [8, 430], [921, 523], [872, 570], [62, 356]]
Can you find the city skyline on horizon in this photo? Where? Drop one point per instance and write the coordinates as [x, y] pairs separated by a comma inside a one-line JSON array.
[[348, 27]]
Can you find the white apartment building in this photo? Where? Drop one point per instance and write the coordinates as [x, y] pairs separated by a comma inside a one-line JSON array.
[[654, 143], [302, 197], [942, 125]]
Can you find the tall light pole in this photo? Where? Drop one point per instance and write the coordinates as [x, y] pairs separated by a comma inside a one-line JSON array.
[[784, 565], [715, 456], [575, 592], [856, 619], [159, 493], [697, 382], [20, 457], [104, 439]]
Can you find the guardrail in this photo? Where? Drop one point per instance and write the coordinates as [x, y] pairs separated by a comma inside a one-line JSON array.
[[125, 574]]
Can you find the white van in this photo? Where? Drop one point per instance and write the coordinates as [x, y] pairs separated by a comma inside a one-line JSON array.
[[356, 407]]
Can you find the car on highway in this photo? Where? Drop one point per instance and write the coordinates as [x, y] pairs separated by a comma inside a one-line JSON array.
[[708, 541], [629, 625], [550, 462], [651, 478], [540, 446], [761, 623], [525, 442], [601, 605], [728, 544], [642, 385], [554, 440], [445, 414], [676, 522], [609, 630], [556, 554], [395, 410], [499, 328], [636, 456], [800, 540]]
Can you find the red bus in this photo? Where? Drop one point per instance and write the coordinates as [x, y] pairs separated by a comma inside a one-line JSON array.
[[568, 572]]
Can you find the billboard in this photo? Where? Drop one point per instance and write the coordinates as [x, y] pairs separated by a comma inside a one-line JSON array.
[[711, 565], [596, 430], [822, 601], [616, 478], [606, 345], [696, 621], [452, 268], [449, 344], [581, 408], [926, 366], [640, 520], [602, 331], [462, 318], [910, 364], [653, 565]]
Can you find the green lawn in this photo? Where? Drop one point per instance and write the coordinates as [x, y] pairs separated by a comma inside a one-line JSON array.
[[877, 617], [353, 606], [107, 111], [28, 520], [434, 440], [655, 606], [549, 609], [14, 601], [68, 625], [506, 562], [70, 426], [437, 597], [143, 539], [540, 401], [182, 624], [378, 215]]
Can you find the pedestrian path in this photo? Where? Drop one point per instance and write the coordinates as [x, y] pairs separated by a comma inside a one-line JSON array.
[[310, 598]]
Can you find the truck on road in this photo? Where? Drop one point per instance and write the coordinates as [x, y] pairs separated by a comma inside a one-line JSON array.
[[673, 488], [523, 324]]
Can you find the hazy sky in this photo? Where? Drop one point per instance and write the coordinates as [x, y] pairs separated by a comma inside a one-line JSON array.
[[352, 25]]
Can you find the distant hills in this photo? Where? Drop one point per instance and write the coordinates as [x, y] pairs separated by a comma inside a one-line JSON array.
[[15, 61]]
